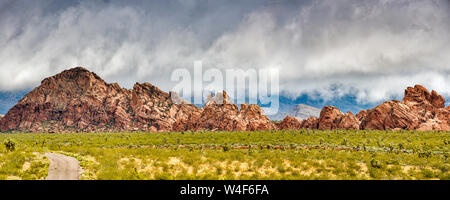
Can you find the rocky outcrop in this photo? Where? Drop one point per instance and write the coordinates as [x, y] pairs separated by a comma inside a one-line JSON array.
[[289, 123], [220, 113], [349, 122], [418, 97], [419, 110], [310, 123], [77, 100], [360, 116], [330, 117], [390, 115]]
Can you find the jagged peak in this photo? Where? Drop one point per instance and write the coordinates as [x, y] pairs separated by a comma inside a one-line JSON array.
[[73, 74], [327, 109], [77, 69], [147, 86], [419, 94], [219, 98]]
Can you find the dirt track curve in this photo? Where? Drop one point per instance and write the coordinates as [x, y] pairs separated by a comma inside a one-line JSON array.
[[63, 167]]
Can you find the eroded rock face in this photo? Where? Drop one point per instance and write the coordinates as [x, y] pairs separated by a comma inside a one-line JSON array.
[[310, 123], [289, 123], [360, 116], [220, 114], [330, 117], [349, 122], [419, 110], [77, 100], [419, 97], [253, 117], [390, 115]]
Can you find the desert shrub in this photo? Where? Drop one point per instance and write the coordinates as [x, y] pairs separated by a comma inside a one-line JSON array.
[[102, 153], [226, 147], [344, 142], [375, 163], [400, 146], [10, 145], [427, 173], [425, 154]]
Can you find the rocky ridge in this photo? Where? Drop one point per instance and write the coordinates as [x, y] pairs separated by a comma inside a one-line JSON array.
[[78, 100], [419, 110]]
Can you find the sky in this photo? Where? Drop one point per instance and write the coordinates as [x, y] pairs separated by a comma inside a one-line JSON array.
[[369, 50]]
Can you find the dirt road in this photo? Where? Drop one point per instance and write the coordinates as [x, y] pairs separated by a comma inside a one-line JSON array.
[[63, 167]]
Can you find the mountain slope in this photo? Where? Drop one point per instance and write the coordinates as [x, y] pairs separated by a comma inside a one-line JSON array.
[[77, 100]]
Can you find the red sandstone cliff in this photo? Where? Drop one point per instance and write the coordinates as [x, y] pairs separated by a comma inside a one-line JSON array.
[[77, 100], [419, 110]]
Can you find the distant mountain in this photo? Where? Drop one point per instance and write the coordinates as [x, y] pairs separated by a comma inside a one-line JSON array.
[[344, 103], [299, 111]]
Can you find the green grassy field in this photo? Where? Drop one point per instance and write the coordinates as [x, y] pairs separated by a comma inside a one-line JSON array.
[[235, 155]]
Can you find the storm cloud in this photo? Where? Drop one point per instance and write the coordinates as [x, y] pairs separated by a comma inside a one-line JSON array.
[[367, 48]]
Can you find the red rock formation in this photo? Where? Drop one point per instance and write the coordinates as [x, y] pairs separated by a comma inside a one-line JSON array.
[[361, 115], [220, 114], [419, 110], [253, 118], [349, 122], [419, 97], [77, 100], [390, 115], [330, 117], [310, 123], [289, 123]]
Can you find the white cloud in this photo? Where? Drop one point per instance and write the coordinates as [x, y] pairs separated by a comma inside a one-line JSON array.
[[372, 49]]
